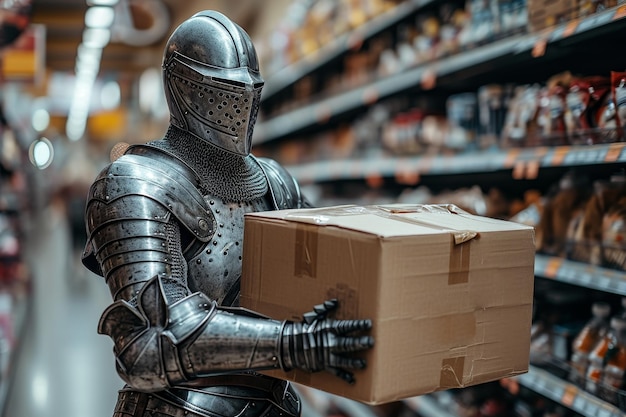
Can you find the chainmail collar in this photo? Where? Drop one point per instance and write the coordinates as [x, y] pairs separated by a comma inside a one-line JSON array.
[[223, 174]]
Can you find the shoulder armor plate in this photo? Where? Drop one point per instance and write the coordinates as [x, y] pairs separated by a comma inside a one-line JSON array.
[[155, 179], [151, 173], [283, 187]]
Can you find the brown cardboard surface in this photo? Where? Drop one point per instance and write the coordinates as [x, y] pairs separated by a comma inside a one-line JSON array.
[[450, 294]]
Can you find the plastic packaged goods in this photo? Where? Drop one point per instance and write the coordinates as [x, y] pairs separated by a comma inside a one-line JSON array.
[[606, 351], [559, 211], [615, 368], [618, 85], [588, 338], [614, 236], [462, 113], [492, 109], [585, 99], [588, 244], [520, 126]]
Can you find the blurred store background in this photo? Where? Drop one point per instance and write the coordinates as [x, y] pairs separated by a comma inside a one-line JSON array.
[[512, 109]]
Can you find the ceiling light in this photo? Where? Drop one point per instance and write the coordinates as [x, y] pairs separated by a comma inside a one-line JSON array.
[[99, 17], [102, 2], [96, 37]]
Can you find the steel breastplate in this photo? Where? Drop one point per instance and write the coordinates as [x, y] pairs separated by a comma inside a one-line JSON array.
[[216, 270]]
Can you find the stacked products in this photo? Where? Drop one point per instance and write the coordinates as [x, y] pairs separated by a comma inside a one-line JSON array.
[[566, 110], [586, 222]]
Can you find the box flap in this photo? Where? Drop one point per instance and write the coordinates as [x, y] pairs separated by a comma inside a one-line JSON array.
[[397, 220]]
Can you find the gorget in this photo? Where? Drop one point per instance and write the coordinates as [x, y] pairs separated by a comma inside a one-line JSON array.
[[223, 174]]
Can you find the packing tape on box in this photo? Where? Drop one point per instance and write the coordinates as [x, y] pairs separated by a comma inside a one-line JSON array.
[[451, 375], [306, 239]]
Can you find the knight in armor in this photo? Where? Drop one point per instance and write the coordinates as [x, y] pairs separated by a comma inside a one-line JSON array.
[[165, 231]]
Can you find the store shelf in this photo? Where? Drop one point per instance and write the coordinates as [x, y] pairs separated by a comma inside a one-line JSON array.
[[472, 61], [581, 274], [342, 44], [567, 394], [523, 162], [19, 321]]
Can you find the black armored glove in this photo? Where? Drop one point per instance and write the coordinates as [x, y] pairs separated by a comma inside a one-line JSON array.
[[321, 344]]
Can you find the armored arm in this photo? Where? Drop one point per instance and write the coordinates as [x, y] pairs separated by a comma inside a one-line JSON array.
[[159, 346], [138, 214]]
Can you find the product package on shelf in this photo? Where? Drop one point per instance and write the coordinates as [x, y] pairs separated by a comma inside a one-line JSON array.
[[450, 294]]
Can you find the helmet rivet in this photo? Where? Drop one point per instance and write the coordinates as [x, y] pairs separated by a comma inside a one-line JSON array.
[[203, 224]]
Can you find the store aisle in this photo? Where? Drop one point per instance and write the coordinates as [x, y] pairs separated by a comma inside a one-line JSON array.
[[64, 368]]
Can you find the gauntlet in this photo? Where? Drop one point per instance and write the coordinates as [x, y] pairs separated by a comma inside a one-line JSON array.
[[159, 346]]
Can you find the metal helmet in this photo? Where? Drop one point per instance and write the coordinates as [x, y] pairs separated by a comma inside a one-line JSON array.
[[212, 81]]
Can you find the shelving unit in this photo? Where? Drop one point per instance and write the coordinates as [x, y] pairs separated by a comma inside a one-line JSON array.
[[520, 58], [21, 311], [580, 274], [521, 161], [287, 76], [479, 62], [567, 394]]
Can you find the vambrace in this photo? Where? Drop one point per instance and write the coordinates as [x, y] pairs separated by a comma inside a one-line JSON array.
[[159, 346]]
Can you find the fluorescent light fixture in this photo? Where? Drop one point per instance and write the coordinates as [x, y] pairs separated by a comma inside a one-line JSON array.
[[102, 2], [99, 17], [96, 37]]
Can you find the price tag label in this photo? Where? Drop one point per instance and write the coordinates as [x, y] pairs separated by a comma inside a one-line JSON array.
[[370, 96], [511, 158], [518, 170], [570, 28], [323, 114], [553, 266], [532, 170], [429, 79], [569, 395], [619, 13], [539, 48], [559, 155], [614, 152]]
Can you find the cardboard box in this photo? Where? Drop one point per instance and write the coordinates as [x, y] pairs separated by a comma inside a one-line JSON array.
[[450, 294]]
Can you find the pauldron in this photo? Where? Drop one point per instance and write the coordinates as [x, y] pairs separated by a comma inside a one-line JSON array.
[[137, 188]]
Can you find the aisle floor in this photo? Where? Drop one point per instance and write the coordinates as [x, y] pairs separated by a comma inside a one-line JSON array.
[[63, 368]]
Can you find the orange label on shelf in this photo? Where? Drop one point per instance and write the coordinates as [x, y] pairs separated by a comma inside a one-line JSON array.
[[519, 170], [569, 395], [532, 170], [539, 49], [570, 28], [552, 268], [374, 181], [429, 79], [370, 96], [559, 154], [620, 13], [511, 157], [613, 153], [323, 114], [406, 177]]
